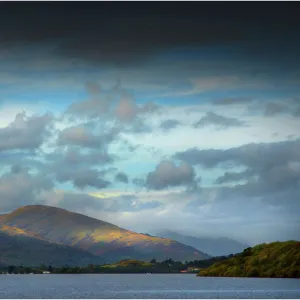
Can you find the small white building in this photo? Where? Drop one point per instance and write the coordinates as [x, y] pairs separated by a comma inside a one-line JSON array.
[[46, 272]]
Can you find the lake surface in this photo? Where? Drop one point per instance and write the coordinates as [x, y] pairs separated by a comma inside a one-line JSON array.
[[137, 286]]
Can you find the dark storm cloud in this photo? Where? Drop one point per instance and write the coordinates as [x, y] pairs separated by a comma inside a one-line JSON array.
[[72, 165], [274, 108], [214, 119], [126, 109], [83, 137], [79, 136], [169, 124], [19, 187], [253, 155], [97, 103], [139, 182], [116, 103], [25, 132], [130, 32], [138, 126], [167, 174], [282, 177], [122, 177], [234, 176], [93, 88], [255, 218], [297, 112], [72, 157], [85, 178], [232, 101], [27, 158], [272, 168]]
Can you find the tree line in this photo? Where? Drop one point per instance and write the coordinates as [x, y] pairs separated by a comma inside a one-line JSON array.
[[126, 266]]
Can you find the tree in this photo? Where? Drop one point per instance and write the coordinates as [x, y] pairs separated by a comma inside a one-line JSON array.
[[253, 272], [11, 269], [50, 269], [153, 261], [169, 261], [91, 267]]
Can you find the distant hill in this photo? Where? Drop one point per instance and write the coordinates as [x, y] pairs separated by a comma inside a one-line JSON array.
[[30, 251], [278, 259], [102, 239], [211, 246]]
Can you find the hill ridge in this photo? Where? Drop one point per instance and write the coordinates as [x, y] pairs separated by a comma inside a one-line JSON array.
[[95, 236], [30, 251], [50, 207], [214, 246]]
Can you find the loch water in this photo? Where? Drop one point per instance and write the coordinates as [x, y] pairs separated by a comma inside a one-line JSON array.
[[147, 286]]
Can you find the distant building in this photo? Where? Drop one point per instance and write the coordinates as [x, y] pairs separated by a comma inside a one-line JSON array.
[[46, 272], [190, 270]]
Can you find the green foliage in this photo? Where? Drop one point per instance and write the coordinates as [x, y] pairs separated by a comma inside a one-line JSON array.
[[278, 259], [124, 266]]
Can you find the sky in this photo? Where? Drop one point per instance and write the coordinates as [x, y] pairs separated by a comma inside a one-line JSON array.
[[152, 116]]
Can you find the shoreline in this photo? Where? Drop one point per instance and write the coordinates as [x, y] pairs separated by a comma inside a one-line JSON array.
[[179, 273]]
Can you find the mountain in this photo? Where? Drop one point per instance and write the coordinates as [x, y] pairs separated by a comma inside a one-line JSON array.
[[278, 259], [102, 239], [211, 246], [16, 248]]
